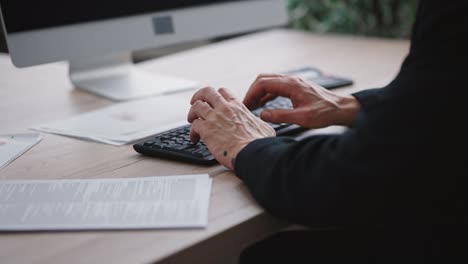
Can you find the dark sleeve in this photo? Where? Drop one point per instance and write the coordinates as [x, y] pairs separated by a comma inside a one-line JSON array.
[[340, 180], [319, 181], [368, 99]]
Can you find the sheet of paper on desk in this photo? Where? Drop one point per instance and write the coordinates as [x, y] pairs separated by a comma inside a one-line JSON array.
[[124, 123], [13, 146], [132, 203]]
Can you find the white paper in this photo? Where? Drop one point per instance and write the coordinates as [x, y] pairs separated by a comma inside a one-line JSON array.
[[124, 123], [13, 146], [133, 203]]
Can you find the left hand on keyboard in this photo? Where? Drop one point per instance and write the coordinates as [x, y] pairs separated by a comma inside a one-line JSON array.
[[224, 124]]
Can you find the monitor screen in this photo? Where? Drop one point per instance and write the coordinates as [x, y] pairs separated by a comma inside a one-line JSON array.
[[25, 15]]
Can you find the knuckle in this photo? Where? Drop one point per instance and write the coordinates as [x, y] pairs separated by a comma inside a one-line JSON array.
[[225, 108], [207, 89], [222, 89], [197, 95], [262, 82], [297, 84], [218, 96], [197, 105]]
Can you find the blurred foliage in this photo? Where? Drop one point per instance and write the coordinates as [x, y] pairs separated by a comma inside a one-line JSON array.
[[384, 18]]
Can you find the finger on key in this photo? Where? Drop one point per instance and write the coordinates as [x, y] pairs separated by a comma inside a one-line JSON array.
[[253, 102], [275, 86], [267, 98], [253, 96], [197, 125]]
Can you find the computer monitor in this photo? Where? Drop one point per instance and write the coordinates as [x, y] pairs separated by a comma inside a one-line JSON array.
[[97, 37]]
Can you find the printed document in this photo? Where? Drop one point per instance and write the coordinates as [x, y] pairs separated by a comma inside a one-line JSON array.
[[124, 123], [94, 204], [13, 146]]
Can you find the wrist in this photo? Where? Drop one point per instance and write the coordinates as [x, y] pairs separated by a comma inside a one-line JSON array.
[[349, 107], [231, 155]]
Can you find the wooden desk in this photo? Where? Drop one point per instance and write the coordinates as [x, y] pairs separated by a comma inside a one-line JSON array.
[[41, 94]]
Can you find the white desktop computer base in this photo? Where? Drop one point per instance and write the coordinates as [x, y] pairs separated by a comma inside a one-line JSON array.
[[117, 78]]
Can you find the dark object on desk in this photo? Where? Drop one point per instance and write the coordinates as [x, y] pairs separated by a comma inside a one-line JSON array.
[[176, 144], [318, 77]]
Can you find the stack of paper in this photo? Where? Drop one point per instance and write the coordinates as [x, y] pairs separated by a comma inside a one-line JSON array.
[[134, 203], [124, 123], [13, 146]]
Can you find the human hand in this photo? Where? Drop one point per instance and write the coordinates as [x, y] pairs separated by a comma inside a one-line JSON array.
[[224, 123], [314, 106]]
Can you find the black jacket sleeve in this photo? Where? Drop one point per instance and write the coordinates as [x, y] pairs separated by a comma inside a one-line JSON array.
[[368, 99], [379, 171]]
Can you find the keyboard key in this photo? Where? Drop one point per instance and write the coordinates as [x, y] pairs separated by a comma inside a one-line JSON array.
[[180, 147]]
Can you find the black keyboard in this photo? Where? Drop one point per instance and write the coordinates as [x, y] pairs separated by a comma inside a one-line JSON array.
[[176, 144]]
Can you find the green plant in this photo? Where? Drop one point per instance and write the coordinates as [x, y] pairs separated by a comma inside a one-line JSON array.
[[385, 18]]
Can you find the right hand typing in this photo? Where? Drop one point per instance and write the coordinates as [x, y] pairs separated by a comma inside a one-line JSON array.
[[314, 106]]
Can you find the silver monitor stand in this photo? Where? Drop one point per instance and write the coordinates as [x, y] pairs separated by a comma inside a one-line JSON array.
[[116, 77]]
